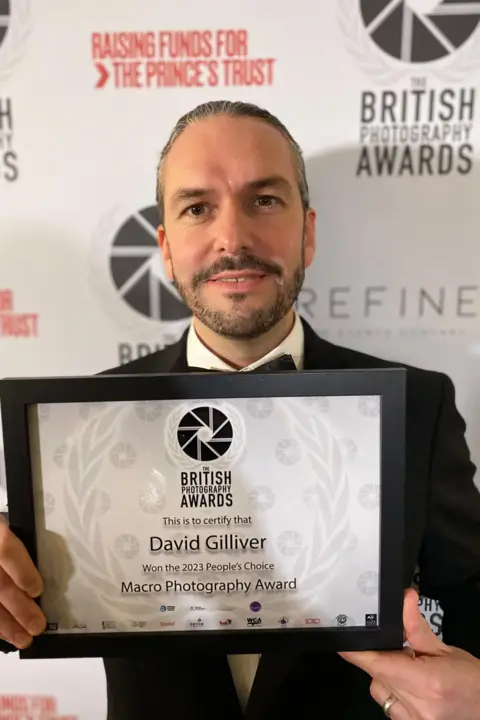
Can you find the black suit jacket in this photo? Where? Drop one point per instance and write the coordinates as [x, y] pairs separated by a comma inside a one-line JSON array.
[[442, 539]]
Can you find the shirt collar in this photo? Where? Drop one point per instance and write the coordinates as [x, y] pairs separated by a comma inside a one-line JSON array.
[[200, 356]]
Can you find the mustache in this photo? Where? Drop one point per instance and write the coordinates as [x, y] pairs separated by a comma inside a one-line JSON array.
[[232, 264]]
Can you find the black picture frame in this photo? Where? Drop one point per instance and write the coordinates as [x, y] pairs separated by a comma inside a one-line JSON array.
[[17, 394]]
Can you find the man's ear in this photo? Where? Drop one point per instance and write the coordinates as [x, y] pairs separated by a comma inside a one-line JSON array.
[[310, 236], [165, 250]]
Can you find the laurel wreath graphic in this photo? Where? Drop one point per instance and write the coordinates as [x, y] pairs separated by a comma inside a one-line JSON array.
[[361, 47], [466, 61], [175, 454], [16, 39], [329, 532], [99, 566]]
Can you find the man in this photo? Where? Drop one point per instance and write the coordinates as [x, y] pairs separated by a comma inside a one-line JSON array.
[[236, 237]]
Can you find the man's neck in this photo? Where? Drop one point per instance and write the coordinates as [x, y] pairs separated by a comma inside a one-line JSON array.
[[241, 353]]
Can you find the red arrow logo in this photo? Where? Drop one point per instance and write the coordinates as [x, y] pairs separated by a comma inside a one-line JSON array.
[[103, 75]]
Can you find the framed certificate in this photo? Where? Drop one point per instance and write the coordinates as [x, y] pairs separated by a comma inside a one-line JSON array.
[[233, 512]]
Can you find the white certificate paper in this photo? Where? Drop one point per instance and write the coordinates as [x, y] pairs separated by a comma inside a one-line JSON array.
[[208, 515]]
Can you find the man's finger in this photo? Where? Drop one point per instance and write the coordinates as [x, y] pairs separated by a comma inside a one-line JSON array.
[[21, 607], [380, 694], [379, 663], [420, 635], [12, 632], [17, 563]]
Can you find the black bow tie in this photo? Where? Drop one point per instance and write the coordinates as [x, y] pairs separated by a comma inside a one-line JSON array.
[[282, 363]]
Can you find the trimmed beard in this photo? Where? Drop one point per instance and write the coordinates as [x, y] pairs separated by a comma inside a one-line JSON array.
[[233, 323]]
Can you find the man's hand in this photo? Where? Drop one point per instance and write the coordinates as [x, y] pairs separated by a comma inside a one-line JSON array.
[[439, 683], [20, 616]]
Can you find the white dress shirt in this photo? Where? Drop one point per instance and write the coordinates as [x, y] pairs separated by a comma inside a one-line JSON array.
[[244, 667]]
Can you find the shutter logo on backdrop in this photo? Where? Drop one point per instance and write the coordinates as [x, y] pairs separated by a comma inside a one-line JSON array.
[[408, 128], [128, 273], [14, 32], [137, 270], [419, 31]]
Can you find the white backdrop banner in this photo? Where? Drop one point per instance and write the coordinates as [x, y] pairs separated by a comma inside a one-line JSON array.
[[382, 97]]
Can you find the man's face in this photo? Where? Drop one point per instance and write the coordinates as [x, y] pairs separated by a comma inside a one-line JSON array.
[[235, 238]]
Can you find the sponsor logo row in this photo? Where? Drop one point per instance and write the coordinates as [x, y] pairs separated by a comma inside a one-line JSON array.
[[255, 621]]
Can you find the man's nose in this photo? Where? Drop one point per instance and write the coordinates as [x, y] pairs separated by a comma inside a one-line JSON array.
[[231, 232]]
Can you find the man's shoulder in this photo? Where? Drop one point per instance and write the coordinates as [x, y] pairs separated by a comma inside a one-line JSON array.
[[361, 359], [349, 358]]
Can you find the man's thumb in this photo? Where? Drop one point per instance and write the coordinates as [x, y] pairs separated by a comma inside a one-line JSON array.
[[418, 632]]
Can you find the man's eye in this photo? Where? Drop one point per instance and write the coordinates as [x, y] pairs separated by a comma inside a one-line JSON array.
[[196, 210], [266, 200]]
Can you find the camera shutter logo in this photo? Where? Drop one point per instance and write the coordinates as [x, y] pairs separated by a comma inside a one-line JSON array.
[[137, 271], [389, 39], [205, 434], [5, 19], [197, 433], [419, 31], [14, 32]]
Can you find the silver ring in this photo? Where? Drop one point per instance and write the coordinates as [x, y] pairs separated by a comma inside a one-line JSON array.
[[391, 700]]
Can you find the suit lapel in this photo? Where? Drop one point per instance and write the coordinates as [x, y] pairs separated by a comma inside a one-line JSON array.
[[319, 354], [272, 673], [174, 357]]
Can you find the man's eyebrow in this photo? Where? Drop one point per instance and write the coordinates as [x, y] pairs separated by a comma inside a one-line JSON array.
[[271, 181], [184, 194], [196, 193]]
